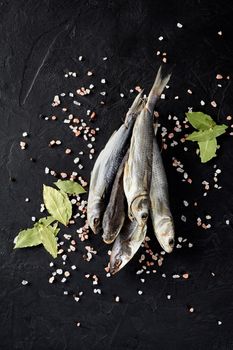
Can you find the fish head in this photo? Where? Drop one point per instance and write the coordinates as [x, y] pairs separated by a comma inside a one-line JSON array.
[[94, 217], [110, 231], [140, 209], [165, 234], [126, 245], [120, 255]]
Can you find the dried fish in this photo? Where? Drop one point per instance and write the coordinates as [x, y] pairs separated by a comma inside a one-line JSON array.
[[107, 164], [114, 215], [126, 244], [138, 168], [160, 211]]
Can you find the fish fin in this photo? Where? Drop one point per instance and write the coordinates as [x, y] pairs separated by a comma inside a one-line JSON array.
[[157, 88], [155, 128], [145, 179]]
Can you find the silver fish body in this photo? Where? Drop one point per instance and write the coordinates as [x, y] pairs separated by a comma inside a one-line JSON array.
[[107, 164], [137, 173], [114, 215], [161, 216], [126, 244], [138, 168]]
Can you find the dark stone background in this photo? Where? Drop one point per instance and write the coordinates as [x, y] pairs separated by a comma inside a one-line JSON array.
[[39, 40]]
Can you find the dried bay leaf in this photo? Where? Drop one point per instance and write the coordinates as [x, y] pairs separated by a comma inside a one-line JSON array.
[[69, 187], [48, 239], [207, 150], [58, 205], [200, 121], [27, 238]]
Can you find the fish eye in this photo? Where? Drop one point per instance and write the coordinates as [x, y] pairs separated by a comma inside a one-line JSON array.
[[144, 216], [96, 221], [117, 263], [171, 242]]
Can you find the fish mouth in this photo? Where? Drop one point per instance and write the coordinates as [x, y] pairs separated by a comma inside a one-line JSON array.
[[169, 246], [95, 230], [108, 240], [116, 266]]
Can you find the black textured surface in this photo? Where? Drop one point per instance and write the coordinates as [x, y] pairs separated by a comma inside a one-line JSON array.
[[39, 40]]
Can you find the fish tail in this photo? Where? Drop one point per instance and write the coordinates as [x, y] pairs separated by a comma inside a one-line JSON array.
[[135, 108], [157, 89]]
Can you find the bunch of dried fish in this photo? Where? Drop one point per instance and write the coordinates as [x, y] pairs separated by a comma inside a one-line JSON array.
[[128, 184]]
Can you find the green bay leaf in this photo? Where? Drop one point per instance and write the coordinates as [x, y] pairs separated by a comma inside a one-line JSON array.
[[69, 187], [45, 221], [207, 150], [27, 238], [200, 121], [55, 229], [205, 135], [49, 240], [201, 135], [219, 129], [58, 205]]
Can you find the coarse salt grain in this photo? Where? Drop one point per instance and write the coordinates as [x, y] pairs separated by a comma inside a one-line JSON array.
[[183, 218], [179, 25], [213, 104], [24, 282]]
